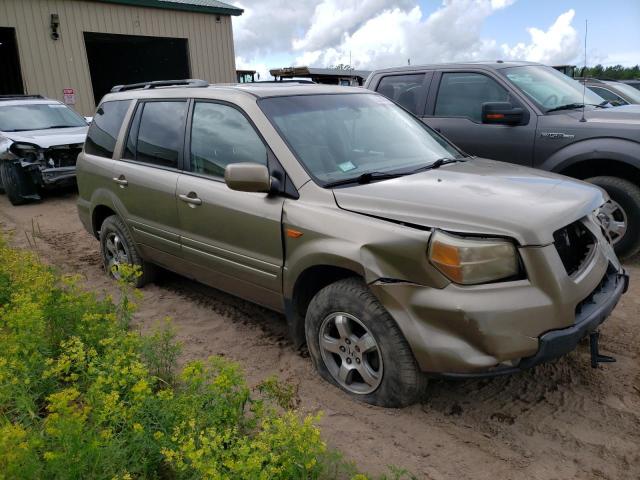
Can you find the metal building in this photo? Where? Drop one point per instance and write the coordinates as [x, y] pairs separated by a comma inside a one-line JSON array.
[[76, 50]]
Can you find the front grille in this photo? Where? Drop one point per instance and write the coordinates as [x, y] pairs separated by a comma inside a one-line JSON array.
[[575, 245], [62, 156]]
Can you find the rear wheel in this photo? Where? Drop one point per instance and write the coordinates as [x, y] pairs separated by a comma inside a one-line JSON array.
[[621, 216], [356, 345], [118, 248], [11, 179]]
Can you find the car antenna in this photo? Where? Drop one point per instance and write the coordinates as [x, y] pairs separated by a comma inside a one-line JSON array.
[[584, 80]]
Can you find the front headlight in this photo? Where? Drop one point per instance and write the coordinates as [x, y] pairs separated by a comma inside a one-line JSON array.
[[470, 261]]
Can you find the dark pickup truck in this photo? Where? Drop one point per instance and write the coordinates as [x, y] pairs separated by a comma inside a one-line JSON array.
[[530, 114]]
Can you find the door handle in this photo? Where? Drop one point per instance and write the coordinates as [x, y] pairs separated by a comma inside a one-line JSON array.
[[123, 182], [192, 199]]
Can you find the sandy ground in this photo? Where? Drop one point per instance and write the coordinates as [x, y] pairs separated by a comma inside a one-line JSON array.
[[559, 421]]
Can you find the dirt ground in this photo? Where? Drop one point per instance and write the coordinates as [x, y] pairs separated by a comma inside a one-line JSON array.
[[559, 421]]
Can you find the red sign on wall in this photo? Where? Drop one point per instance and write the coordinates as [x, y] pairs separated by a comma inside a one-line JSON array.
[[69, 96]]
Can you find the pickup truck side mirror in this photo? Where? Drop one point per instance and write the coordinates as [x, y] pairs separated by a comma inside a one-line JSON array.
[[249, 177], [502, 113]]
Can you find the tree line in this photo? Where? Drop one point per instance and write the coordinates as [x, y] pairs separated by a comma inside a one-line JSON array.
[[615, 72]]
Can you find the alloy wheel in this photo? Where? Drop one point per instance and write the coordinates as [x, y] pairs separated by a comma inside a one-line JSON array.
[[351, 353]]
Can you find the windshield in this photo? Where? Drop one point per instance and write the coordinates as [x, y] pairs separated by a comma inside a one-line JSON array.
[[549, 88], [38, 116], [627, 90], [343, 136]]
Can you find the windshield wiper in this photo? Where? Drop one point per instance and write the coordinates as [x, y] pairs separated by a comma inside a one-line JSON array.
[[61, 126], [573, 106], [368, 177]]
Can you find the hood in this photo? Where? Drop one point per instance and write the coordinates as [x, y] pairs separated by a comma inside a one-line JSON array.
[[479, 197], [50, 137], [626, 114]]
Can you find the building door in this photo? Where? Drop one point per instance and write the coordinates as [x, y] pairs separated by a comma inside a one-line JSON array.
[[10, 78], [123, 59]]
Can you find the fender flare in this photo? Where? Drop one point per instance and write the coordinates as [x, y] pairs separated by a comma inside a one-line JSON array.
[[620, 150]]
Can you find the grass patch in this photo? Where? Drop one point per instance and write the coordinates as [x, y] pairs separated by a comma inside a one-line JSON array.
[[82, 396]]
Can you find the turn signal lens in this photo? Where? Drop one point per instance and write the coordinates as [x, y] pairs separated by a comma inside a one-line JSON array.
[[470, 261]]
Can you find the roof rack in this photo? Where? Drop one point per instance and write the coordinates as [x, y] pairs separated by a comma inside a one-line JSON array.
[[20, 97], [188, 82]]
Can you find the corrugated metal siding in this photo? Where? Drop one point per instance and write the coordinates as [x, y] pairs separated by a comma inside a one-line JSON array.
[[50, 66]]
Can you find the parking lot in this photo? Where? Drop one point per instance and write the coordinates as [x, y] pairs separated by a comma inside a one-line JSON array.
[[561, 420]]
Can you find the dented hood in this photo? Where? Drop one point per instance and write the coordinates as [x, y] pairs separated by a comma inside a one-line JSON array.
[[478, 196], [49, 137]]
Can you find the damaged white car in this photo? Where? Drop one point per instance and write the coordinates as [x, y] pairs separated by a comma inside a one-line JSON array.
[[40, 140]]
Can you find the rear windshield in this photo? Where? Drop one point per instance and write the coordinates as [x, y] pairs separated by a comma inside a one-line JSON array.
[[341, 136], [40, 116]]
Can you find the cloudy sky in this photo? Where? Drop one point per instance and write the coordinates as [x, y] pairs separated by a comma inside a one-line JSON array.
[[383, 33]]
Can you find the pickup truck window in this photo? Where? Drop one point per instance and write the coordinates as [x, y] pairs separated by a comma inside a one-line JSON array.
[[221, 135], [405, 90], [462, 95], [548, 88]]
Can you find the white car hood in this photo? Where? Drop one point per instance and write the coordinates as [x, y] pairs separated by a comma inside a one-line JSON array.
[[50, 137]]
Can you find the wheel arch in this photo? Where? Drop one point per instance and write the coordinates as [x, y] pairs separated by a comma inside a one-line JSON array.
[[307, 284]]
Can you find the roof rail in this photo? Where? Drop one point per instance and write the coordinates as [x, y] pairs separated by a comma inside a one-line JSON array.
[[19, 97], [188, 82]]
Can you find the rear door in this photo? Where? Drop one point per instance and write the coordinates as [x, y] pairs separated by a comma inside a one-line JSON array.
[[454, 108], [147, 173], [233, 239], [407, 90]]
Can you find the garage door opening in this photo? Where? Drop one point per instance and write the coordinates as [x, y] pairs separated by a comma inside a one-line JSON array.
[[10, 76], [122, 59]]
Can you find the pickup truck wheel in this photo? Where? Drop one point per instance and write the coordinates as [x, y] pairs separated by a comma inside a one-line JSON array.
[[355, 344], [118, 248], [621, 217], [11, 176]]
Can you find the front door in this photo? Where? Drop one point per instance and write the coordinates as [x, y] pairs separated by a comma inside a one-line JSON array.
[[232, 239], [147, 174], [456, 112]]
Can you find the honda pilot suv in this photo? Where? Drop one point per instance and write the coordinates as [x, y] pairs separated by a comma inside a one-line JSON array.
[[532, 115], [393, 255]]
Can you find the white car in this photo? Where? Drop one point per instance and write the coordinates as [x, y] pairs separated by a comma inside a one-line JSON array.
[[40, 140]]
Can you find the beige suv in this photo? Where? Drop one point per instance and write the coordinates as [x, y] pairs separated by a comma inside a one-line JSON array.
[[392, 254]]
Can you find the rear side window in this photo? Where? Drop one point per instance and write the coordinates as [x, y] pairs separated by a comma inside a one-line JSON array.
[[462, 95], [103, 132], [156, 135], [221, 135], [405, 90]]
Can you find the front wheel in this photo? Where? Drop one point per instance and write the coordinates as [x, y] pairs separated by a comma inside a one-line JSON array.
[[621, 216], [355, 344], [118, 248], [11, 179]]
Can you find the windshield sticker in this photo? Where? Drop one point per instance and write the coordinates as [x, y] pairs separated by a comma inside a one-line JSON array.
[[346, 166]]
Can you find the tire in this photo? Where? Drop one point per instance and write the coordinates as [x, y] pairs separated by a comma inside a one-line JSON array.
[[10, 175], [627, 196], [117, 246], [396, 381]]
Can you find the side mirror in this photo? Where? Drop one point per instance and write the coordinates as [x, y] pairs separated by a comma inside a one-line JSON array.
[[248, 177], [501, 113]]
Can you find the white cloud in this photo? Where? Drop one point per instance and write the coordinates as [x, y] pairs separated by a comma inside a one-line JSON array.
[[382, 33], [558, 45]]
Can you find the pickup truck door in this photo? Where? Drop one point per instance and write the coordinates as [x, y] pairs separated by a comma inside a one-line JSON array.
[[232, 240], [454, 108]]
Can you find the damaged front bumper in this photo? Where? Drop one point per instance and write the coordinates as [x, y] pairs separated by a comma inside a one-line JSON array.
[[500, 328]]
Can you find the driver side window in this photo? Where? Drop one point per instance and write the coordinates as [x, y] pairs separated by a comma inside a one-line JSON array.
[[462, 95], [221, 135]]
